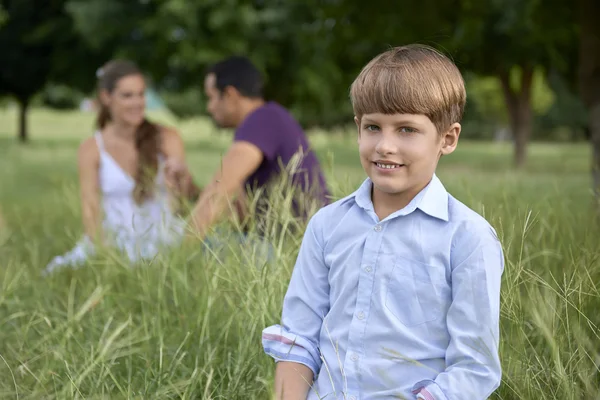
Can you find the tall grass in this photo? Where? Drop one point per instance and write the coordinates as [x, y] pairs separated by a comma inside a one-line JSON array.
[[187, 324]]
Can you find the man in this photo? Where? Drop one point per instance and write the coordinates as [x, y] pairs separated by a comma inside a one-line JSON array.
[[267, 138]]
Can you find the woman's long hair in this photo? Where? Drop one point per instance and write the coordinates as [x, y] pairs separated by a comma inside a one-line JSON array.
[[146, 136]]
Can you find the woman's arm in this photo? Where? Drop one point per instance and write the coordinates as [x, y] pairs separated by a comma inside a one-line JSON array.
[[178, 176], [88, 161]]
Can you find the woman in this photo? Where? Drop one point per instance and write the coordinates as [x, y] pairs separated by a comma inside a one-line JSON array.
[[126, 200]]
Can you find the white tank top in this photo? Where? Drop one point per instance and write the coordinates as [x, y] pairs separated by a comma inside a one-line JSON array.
[[138, 229]]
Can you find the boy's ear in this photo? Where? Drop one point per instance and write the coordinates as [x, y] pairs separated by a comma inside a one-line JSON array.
[[450, 139], [357, 122]]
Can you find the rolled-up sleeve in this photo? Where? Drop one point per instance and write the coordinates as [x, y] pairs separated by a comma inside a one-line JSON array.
[[305, 305], [473, 365]]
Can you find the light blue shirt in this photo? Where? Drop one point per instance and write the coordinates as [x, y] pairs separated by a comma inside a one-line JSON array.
[[387, 309]]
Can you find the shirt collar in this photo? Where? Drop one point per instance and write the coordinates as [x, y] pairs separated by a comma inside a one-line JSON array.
[[435, 199], [432, 200]]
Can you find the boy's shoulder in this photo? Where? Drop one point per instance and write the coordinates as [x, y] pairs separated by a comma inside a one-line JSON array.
[[331, 215], [468, 222], [335, 207]]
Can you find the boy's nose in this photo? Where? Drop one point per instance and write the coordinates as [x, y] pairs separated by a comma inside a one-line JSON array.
[[385, 146]]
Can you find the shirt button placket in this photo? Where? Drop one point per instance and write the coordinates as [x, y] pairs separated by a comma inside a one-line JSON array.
[[364, 295]]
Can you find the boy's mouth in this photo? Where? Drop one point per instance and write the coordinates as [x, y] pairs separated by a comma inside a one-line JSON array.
[[387, 164]]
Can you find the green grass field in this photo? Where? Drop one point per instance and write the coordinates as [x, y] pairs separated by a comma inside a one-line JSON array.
[[188, 324]]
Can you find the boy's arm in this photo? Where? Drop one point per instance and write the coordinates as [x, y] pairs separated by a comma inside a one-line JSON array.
[[295, 343], [292, 381], [473, 368]]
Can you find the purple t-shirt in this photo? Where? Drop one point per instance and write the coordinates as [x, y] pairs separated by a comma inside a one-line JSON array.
[[279, 136]]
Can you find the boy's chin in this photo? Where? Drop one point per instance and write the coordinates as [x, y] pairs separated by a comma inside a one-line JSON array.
[[389, 189]]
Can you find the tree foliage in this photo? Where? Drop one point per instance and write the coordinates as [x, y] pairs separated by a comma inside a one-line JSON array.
[[39, 45], [310, 51], [510, 40]]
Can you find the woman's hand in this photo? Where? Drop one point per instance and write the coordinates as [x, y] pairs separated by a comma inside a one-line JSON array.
[[177, 175], [180, 182]]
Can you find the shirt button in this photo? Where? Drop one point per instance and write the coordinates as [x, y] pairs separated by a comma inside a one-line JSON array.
[[377, 228], [360, 315], [368, 268], [354, 357]]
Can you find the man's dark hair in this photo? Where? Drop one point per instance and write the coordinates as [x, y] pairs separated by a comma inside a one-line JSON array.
[[238, 72]]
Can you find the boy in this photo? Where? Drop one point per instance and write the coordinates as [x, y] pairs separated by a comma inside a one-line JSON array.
[[396, 289]]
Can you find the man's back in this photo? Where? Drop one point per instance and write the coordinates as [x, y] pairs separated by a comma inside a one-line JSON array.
[[280, 138]]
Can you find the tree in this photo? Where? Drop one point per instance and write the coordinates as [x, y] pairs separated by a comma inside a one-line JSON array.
[[175, 40], [43, 46], [339, 37], [112, 28], [509, 39], [589, 80], [29, 32]]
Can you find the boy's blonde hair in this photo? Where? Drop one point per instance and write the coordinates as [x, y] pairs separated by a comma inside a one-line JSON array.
[[413, 79]]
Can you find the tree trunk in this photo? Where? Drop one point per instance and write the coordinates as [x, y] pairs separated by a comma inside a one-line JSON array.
[[23, 107], [595, 128], [589, 81], [518, 103]]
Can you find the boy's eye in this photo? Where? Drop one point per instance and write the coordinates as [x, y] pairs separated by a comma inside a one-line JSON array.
[[407, 129], [371, 127]]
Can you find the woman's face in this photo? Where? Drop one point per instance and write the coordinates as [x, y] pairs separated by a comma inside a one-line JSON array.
[[127, 101]]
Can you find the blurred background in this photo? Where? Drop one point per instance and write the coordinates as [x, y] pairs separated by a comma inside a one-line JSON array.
[[188, 325], [521, 58]]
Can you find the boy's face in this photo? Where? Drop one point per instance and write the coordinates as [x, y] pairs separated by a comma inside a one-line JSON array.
[[400, 152]]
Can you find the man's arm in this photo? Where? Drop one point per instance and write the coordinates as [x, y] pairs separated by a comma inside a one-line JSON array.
[[473, 366], [295, 343], [240, 161]]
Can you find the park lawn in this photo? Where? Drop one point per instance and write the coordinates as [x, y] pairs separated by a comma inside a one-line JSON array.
[[188, 324]]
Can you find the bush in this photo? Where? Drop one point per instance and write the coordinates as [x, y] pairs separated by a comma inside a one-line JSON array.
[[61, 97], [185, 104]]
